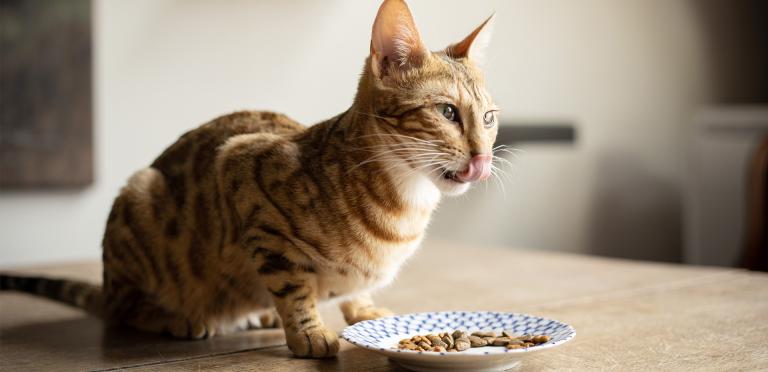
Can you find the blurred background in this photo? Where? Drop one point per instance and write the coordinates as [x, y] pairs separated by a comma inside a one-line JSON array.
[[664, 100]]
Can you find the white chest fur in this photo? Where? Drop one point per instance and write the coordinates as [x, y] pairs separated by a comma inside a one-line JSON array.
[[417, 189]]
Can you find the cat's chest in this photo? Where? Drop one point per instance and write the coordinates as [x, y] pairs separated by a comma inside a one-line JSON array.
[[377, 260], [366, 274]]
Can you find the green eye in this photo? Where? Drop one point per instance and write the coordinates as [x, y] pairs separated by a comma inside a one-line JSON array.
[[490, 119], [449, 112]]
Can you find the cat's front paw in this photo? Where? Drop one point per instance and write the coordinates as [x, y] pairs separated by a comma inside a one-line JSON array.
[[318, 342], [368, 314]]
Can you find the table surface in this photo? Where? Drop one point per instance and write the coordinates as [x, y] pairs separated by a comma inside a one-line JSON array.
[[628, 315]]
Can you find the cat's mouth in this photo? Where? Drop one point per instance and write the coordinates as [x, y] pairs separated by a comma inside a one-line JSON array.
[[477, 169], [450, 182], [451, 176]]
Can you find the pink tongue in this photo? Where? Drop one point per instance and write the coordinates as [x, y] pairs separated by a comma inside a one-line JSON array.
[[479, 168]]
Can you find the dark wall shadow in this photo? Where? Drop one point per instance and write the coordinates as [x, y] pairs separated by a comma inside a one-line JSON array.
[[737, 48]]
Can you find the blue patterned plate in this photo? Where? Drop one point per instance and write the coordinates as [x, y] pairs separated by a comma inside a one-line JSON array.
[[382, 335]]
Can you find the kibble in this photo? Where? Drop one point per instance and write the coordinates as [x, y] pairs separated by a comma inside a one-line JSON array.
[[459, 334], [501, 341], [448, 339], [484, 334], [462, 344], [525, 338], [460, 340], [475, 341], [409, 346], [435, 341]]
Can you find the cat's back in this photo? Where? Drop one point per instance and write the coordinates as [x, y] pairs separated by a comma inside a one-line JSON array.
[[198, 147]]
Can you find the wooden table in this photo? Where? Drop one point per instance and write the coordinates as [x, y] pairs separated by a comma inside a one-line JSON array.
[[628, 316]]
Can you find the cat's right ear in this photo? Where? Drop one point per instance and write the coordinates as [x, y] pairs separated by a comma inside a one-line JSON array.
[[395, 41]]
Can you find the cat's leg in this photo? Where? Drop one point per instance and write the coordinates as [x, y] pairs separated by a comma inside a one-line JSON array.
[[184, 328], [132, 307], [295, 299], [177, 326], [361, 308]]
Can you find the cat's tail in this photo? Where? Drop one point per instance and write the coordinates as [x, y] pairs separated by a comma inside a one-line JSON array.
[[75, 293]]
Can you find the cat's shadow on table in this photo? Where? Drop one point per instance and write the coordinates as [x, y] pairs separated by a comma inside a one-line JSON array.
[[88, 341]]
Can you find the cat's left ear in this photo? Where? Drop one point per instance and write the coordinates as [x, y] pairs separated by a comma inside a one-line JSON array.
[[395, 41], [474, 45]]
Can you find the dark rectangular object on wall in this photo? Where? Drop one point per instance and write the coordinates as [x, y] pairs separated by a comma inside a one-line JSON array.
[[45, 94]]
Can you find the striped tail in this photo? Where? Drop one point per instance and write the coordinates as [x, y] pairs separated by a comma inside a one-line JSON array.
[[75, 293]]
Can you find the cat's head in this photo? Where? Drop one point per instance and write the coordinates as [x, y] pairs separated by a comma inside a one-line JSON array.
[[434, 107]]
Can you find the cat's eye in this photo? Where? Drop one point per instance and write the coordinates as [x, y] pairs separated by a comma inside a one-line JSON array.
[[489, 119], [449, 112]]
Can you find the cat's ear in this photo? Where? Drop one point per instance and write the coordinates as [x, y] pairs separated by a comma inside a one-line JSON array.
[[395, 41], [474, 45]]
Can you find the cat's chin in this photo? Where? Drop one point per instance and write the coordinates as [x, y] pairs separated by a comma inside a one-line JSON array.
[[450, 187]]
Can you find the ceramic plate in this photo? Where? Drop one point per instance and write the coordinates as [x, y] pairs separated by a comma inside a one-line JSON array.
[[382, 336]]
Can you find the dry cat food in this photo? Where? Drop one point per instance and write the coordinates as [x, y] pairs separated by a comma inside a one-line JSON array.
[[460, 341]]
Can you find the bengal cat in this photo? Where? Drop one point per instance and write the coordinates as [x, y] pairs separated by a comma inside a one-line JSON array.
[[253, 211]]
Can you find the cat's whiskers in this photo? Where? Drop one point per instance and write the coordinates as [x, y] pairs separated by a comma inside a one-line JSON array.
[[431, 162], [406, 151], [392, 160], [416, 164], [412, 149], [504, 162], [404, 156], [499, 174], [398, 151], [495, 174], [514, 152], [507, 147], [433, 142], [443, 168], [394, 146], [436, 165]]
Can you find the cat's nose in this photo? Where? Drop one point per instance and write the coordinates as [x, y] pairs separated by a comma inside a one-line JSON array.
[[478, 169]]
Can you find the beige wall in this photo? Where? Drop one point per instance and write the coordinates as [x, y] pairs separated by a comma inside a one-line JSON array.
[[628, 73]]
